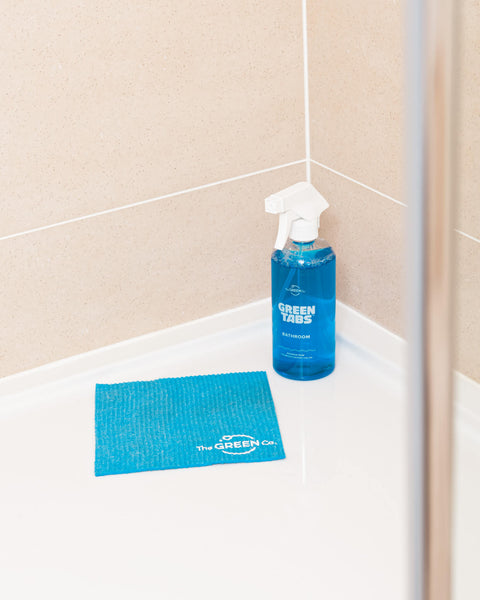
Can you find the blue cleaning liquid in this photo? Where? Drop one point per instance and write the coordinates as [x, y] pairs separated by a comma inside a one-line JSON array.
[[303, 310]]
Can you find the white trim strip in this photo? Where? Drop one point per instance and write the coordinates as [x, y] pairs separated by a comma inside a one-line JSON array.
[[141, 202], [132, 348], [468, 392], [367, 187], [364, 333], [306, 91], [353, 327]]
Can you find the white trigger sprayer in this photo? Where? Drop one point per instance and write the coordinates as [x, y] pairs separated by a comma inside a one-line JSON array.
[[299, 207]]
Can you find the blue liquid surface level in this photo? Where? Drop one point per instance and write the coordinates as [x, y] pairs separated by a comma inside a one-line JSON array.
[[303, 310]]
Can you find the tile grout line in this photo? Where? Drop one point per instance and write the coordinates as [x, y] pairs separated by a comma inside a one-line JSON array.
[[308, 159], [150, 200], [470, 237], [306, 93], [367, 187]]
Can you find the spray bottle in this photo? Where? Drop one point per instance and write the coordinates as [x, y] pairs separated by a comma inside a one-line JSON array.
[[303, 286]]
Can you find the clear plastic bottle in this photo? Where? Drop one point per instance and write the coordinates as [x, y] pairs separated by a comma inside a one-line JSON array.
[[303, 309]]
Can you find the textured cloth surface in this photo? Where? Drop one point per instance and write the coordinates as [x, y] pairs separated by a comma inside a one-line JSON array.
[[185, 422]]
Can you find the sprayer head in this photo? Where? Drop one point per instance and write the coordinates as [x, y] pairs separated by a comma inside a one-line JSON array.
[[299, 207]]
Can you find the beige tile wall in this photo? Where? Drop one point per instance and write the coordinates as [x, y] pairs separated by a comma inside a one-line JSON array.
[[106, 103], [468, 78], [102, 280], [366, 231], [467, 292], [467, 284], [356, 90], [112, 103], [106, 107]]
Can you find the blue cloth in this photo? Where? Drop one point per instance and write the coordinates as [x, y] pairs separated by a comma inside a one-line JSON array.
[[185, 422]]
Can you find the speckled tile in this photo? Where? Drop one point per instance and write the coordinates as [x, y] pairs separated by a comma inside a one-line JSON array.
[[356, 70], [83, 285], [109, 103], [468, 101], [367, 234], [366, 231], [467, 313]]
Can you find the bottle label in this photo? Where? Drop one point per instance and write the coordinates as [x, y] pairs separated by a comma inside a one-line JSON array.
[[296, 314], [298, 330]]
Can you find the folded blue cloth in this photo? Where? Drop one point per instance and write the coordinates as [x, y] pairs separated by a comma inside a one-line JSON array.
[[185, 422]]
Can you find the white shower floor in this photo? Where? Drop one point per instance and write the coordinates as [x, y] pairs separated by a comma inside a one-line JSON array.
[[329, 521]]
